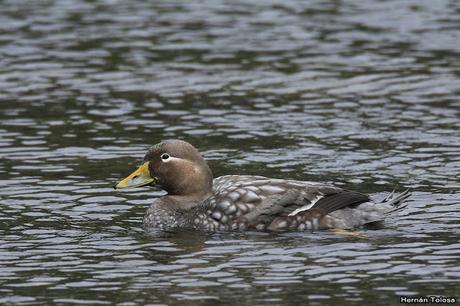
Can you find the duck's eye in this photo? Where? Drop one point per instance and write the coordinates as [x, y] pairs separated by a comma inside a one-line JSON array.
[[165, 156]]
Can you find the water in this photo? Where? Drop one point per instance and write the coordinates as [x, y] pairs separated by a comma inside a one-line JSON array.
[[364, 94]]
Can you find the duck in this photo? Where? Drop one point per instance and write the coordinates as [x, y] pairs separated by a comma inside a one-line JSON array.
[[196, 200]]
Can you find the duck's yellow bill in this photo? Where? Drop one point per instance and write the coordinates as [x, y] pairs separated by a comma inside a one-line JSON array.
[[140, 177]]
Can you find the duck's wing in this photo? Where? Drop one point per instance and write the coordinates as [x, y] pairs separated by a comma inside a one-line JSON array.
[[254, 201]]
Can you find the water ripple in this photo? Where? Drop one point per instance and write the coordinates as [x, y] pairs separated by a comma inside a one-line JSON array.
[[364, 95]]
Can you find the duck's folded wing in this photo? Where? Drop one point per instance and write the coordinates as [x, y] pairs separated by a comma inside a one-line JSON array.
[[257, 200], [333, 200]]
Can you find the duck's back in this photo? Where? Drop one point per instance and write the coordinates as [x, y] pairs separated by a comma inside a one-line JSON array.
[[256, 202]]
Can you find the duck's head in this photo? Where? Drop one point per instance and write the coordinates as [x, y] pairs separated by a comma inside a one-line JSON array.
[[175, 166]]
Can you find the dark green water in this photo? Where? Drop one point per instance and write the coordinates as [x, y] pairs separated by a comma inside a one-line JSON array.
[[364, 94]]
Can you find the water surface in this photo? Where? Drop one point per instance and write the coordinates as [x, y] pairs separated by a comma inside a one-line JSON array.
[[363, 94]]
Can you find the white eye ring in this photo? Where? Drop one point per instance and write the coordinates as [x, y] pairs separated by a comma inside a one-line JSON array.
[[165, 157]]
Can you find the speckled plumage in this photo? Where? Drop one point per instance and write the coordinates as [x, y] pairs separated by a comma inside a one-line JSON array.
[[242, 202]]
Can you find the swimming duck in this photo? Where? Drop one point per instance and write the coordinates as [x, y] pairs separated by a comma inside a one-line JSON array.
[[245, 202]]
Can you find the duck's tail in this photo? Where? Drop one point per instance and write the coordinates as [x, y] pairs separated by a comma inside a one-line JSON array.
[[397, 201], [393, 202]]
